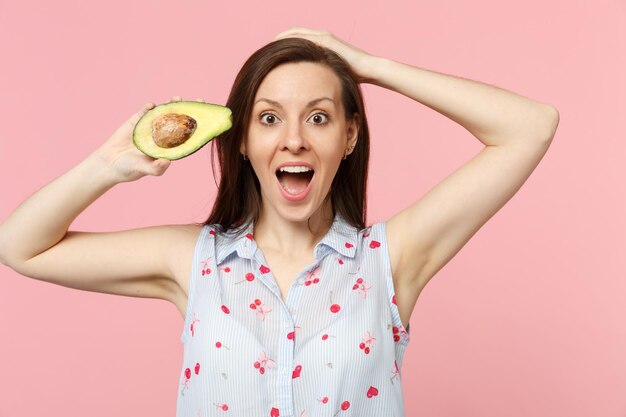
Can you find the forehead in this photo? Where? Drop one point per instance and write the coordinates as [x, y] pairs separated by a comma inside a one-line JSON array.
[[298, 83]]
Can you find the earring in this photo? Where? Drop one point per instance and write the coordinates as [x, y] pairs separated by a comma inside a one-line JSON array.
[[345, 155]]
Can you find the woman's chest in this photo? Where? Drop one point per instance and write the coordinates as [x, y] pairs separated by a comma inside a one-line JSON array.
[[286, 271]]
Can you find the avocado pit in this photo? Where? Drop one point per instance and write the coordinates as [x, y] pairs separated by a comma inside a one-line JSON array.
[[172, 129]]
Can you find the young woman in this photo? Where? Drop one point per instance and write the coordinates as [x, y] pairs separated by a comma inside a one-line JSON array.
[[293, 305]]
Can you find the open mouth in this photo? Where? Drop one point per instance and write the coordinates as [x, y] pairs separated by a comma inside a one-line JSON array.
[[294, 182]]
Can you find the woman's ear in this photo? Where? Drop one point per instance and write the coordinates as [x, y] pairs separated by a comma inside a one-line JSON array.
[[352, 131]]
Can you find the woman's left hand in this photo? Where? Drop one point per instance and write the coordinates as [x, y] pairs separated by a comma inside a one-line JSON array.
[[358, 59]]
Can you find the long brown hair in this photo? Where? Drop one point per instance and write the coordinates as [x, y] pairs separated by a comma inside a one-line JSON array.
[[239, 196]]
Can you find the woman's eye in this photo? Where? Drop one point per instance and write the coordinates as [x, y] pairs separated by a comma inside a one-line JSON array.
[[268, 118], [319, 118]]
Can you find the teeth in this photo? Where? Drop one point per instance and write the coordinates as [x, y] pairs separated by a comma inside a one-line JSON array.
[[295, 169]]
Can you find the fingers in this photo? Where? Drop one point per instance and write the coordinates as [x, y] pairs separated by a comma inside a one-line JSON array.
[[150, 166], [300, 31]]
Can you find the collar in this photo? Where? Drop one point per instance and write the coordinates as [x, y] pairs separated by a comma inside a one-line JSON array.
[[341, 238]]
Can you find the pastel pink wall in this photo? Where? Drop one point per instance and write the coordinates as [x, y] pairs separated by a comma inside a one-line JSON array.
[[527, 320]]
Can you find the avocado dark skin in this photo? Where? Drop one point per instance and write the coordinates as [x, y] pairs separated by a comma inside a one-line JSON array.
[[178, 129]]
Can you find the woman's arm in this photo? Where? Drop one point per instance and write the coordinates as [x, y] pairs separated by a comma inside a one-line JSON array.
[[493, 115], [516, 131], [35, 241]]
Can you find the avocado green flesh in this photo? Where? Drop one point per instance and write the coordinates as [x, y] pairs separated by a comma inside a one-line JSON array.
[[212, 120]]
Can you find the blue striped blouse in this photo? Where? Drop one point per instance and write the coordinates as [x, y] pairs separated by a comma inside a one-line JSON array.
[[333, 348]]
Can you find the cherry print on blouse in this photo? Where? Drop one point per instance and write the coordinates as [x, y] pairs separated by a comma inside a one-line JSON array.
[[393, 299], [366, 342], [262, 362], [197, 368], [325, 336], [223, 407], [274, 412], [323, 400], [204, 265], [349, 245], [264, 269], [333, 307], [219, 345], [296, 372], [399, 332], [395, 372], [186, 381], [212, 232], [361, 287], [292, 335], [340, 261], [193, 324], [249, 278], [344, 406], [249, 236], [312, 276], [224, 268], [260, 308], [374, 244], [225, 309], [372, 392], [366, 234]]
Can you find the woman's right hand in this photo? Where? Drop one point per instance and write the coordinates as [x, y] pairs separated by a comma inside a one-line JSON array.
[[123, 160]]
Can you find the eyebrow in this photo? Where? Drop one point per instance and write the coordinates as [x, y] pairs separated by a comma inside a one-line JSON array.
[[277, 104]]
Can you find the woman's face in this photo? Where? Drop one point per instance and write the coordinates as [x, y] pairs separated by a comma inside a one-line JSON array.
[[297, 119]]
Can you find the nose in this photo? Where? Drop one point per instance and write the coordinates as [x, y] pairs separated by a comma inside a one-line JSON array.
[[294, 140]]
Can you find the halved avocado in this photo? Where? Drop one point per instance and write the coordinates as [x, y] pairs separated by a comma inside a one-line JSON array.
[[176, 130]]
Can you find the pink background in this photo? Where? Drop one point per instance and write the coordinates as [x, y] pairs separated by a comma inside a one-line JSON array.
[[527, 320]]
